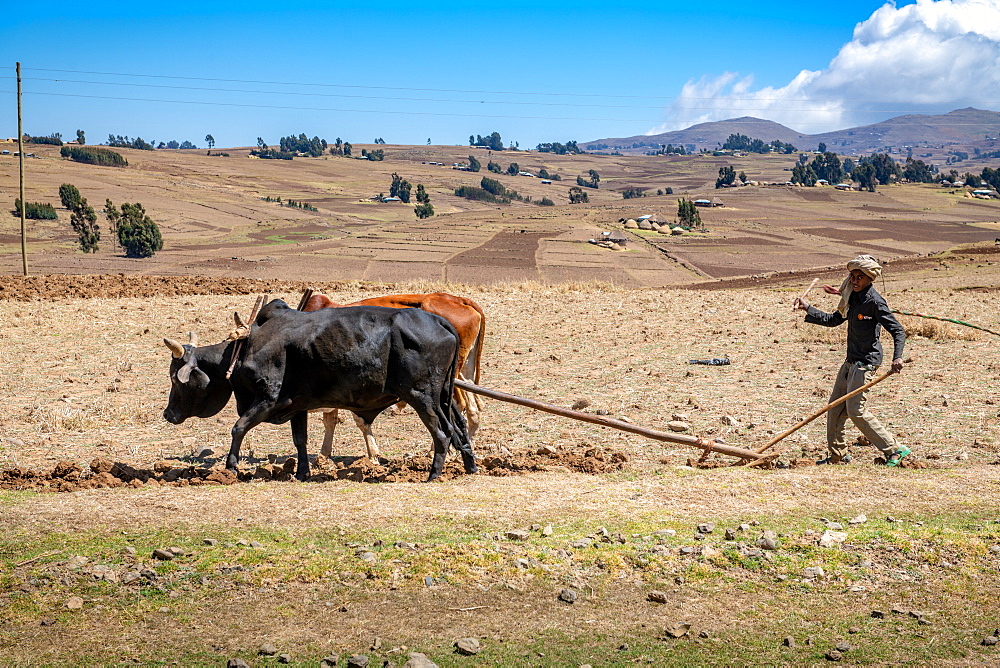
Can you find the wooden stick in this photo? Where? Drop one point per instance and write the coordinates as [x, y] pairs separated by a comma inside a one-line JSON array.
[[811, 286], [609, 422], [40, 556], [305, 298], [815, 415]]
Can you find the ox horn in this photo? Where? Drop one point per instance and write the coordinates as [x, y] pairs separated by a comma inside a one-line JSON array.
[[238, 319], [176, 349]]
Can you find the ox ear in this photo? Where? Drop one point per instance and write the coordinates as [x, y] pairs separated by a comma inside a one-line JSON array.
[[193, 339], [184, 373], [176, 349], [238, 320]]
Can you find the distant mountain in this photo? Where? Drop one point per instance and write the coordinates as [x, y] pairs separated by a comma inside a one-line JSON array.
[[703, 135], [933, 133]]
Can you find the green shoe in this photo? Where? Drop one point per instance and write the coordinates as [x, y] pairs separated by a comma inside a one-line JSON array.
[[897, 457]]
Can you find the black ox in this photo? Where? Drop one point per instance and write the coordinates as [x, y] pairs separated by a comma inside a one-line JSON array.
[[361, 358]]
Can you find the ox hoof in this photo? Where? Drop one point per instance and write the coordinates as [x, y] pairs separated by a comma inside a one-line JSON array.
[[432, 477], [472, 469]]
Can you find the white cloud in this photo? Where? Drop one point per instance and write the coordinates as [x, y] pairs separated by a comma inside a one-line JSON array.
[[928, 57]]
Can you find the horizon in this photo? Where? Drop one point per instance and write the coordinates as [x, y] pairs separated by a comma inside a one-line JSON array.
[[417, 75]]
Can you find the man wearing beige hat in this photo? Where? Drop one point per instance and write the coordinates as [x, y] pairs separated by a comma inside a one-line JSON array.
[[866, 313]]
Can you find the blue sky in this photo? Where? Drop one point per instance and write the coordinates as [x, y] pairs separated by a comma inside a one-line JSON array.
[[533, 71]]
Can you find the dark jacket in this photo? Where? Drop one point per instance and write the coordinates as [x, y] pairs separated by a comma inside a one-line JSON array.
[[867, 314]]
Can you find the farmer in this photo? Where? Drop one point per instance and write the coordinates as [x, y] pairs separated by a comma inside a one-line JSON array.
[[866, 313]]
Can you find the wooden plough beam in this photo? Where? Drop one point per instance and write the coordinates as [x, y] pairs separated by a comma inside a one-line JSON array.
[[748, 456]]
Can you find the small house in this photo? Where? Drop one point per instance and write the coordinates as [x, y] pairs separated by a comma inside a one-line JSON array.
[[843, 186], [391, 199], [703, 202]]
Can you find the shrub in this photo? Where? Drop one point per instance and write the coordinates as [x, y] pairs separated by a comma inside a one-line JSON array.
[[424, 210], [479, 194], [69, 195], [35, 210], [84, 222], [54, 139], [545, 201], [93, 155], [137, 233]]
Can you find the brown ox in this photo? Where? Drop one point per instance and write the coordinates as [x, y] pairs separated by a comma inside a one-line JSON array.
[[467, 319]]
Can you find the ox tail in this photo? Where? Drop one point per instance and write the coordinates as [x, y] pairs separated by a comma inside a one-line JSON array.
[[459, 433], [477, 353]]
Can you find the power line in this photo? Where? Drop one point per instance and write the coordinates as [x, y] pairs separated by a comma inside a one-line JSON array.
[[475, 91]]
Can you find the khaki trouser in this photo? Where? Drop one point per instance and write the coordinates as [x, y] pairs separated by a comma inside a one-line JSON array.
[[849, 378]]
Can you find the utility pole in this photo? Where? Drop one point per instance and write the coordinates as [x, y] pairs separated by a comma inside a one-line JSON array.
[[20, 156]]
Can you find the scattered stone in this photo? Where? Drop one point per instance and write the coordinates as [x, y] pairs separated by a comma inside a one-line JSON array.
[[428, 581], [657, 597], [211, 542], [581, 543], [237, 663], [832, 538], [730, 534], [267, 649], [418, 660], [517, 534], [164, 555], [176, 551], [834, 526], [989, 641], [854, 630], [673, 532], [547, 530], [74, 603], [547, 450], [329, 661], [128, 551], [469, 646], [256, 544], [768, 543], [813, 572], [580, 404], [358, 661], [678, 425], [678, 630], [860, 519], [284, 658], [699, 536], [898, 611], [916, 614], [789, 641], [744, 527], [878, 614], [730, 421], [707, 527], [834, 655], [842, 646], [79, 561], [567, 596]]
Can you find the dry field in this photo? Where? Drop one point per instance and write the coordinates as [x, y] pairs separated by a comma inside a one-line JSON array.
[[340, 567], [215, 222]]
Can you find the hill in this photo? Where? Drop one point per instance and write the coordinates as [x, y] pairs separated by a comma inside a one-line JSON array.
[[219, 217], [933, 134], [703, 135]]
